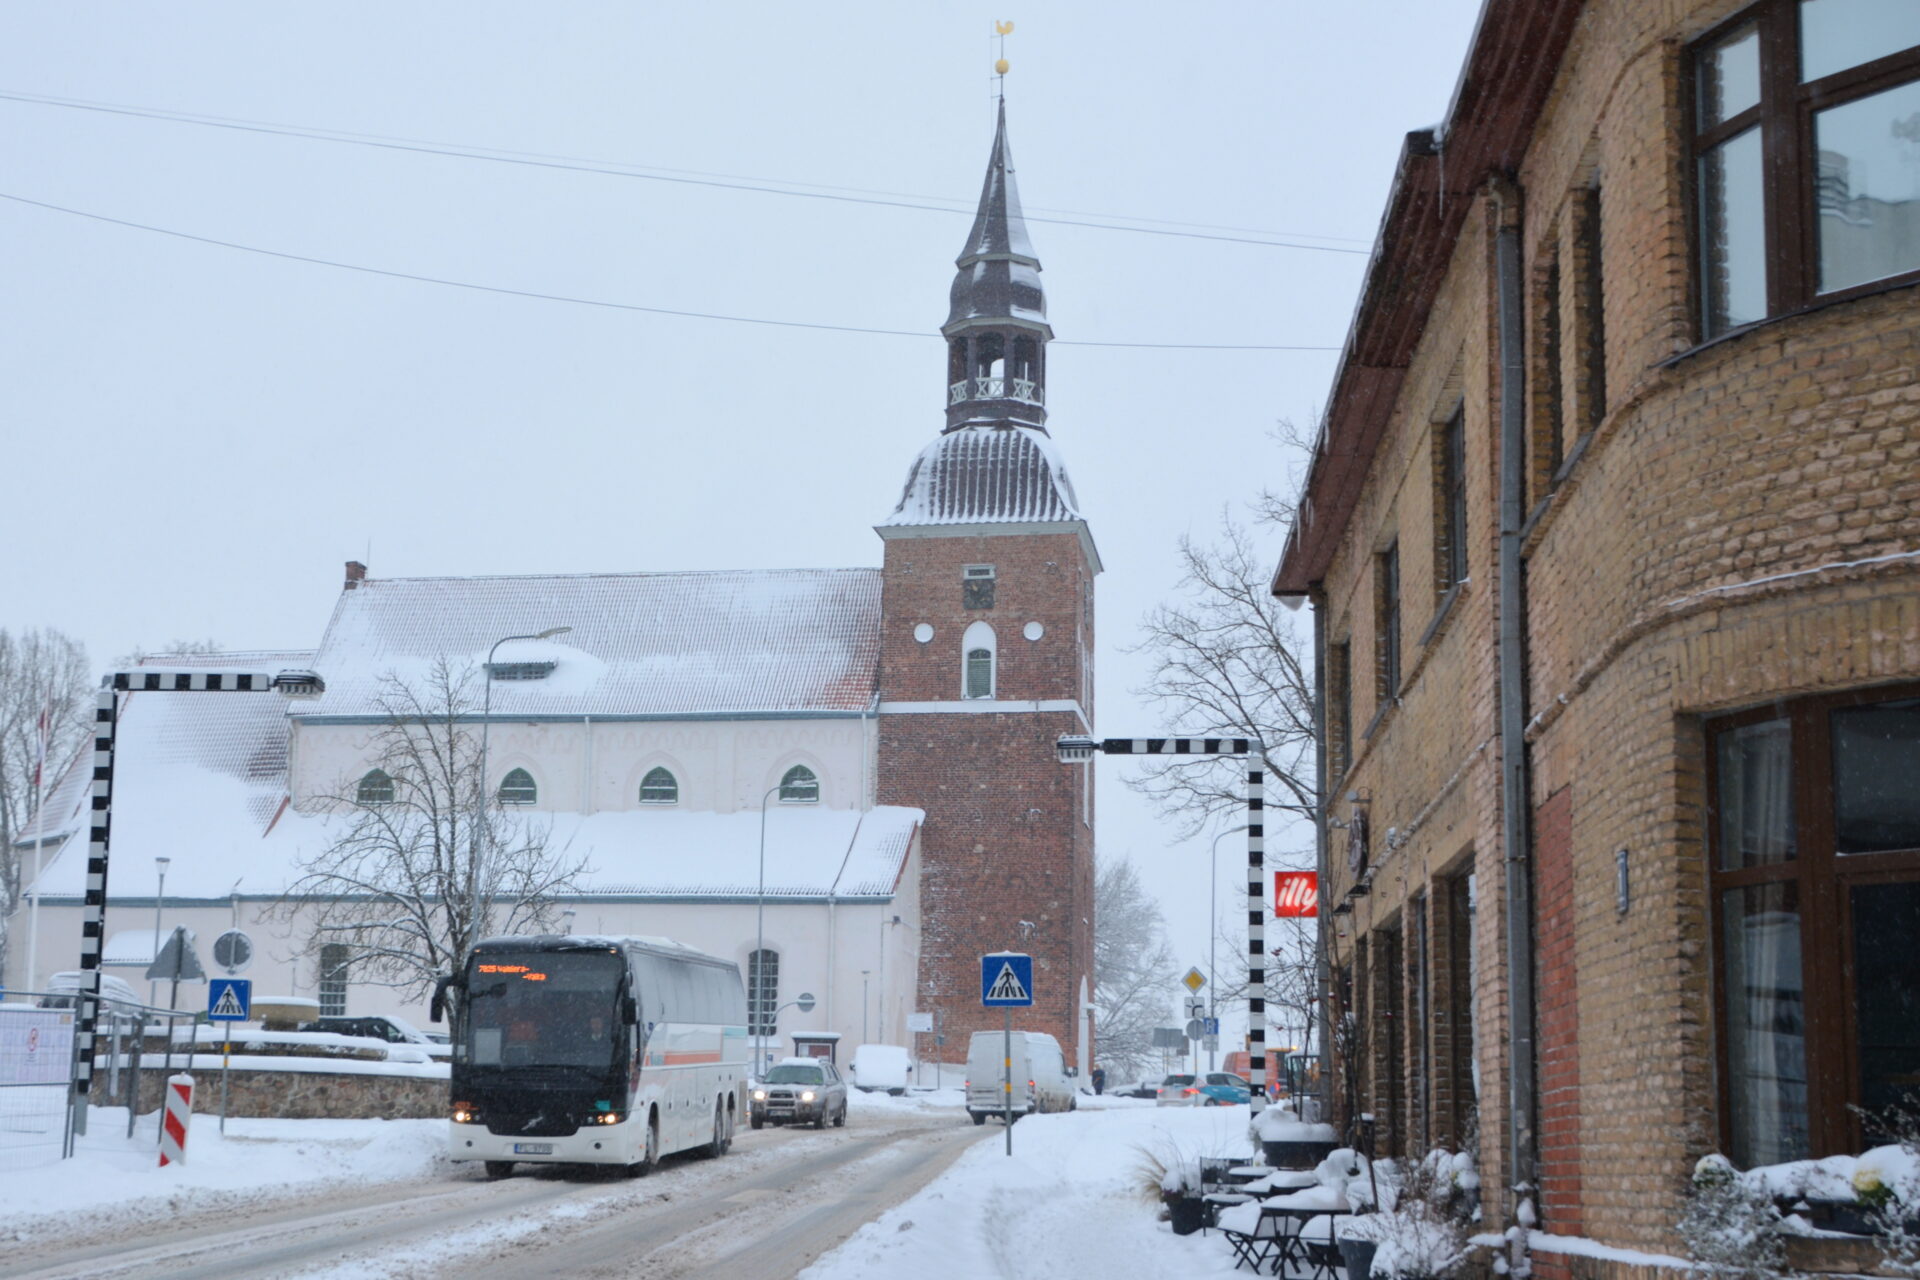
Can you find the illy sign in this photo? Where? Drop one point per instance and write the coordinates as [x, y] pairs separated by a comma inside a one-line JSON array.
[[1296, 893]]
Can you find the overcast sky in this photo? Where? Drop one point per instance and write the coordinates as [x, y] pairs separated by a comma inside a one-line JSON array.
[[196, 437]]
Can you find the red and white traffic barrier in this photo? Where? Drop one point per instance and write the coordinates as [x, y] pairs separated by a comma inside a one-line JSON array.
[[173, 1122]]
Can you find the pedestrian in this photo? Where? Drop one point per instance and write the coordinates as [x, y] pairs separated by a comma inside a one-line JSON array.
[[1099, 1077]]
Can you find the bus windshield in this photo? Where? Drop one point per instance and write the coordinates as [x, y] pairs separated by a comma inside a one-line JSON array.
[[543, 1009]]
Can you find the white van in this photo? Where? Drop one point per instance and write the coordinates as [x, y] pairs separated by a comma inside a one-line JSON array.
[[1040, 1075], [880, 1068]]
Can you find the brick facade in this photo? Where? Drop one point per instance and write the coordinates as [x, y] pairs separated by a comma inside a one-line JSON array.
[[1709, 527], [1008, 836]]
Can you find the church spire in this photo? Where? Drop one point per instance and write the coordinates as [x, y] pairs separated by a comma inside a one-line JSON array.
[[996, 325]]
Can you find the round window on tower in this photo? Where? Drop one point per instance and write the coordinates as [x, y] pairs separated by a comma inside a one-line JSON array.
[[923, 632], [1033, 631]]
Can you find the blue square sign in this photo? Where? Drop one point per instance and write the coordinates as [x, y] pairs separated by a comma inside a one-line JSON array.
[[229, 999], [1006, 980]]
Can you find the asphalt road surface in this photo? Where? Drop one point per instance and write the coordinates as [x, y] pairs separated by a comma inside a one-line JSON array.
[[777, 1201]]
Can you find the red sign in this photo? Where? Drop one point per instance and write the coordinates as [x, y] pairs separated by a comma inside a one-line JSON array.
[[1296, 893]]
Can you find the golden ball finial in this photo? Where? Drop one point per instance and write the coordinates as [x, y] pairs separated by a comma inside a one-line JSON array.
[[1000, 67]]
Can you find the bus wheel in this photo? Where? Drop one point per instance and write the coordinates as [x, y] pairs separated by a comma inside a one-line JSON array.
[[651, 1156], [718, 1147], [499, 1168]]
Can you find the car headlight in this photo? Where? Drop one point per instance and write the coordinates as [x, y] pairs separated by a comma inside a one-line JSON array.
[[759, 1095], [465, 1113], [807, 1096]]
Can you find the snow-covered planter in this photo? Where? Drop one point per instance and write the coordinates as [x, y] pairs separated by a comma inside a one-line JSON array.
[[1288, 1143], [1419, 1228], [1731, 1224]]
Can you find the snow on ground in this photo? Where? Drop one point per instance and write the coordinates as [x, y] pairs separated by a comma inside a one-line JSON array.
[[1069, 1201], [255, 1159]]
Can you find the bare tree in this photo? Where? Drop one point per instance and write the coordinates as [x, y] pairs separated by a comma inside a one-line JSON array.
[[45, 711], [1228, 663], [427, 864], [1292, 980], [1133, 969]]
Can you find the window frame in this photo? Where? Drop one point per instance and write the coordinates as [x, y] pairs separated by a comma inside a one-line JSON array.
[[788, 782], [673, 783], [763, 1015], [532, 788], [1824, 880], [336, 959], [1388, 656], [1450, 562], [375, 777], [1789, 163]]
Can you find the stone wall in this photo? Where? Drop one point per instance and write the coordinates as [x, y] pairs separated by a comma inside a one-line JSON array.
[[295, 1095]]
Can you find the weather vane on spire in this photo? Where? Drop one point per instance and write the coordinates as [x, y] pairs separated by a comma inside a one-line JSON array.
[[1001, 30]]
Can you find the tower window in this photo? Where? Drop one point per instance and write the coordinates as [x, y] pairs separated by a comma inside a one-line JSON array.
[[799, 786], [659, 787], [333, 979], [976, 586], [978, 650], [376, 788], [518, 788]]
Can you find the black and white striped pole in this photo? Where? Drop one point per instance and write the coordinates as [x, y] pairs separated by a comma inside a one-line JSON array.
[[93, 918], [1081, 750]]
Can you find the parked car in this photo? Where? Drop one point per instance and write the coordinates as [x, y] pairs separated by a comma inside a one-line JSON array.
[[799, 1091], [116, 997], [1177, 1090], [880, 1067], [1224, 1089], [1038, 1065], [381, 1027], [1144, 1089]]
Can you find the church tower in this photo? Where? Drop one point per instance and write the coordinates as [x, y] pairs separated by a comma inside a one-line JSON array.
[[987, 652]]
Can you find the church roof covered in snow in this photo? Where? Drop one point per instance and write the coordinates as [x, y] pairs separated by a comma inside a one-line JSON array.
[[986, 474], [640, 644]]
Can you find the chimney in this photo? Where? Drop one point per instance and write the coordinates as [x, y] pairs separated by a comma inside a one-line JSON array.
[[356, 574]]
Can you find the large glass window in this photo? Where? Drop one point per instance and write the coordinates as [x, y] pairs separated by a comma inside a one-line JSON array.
[[333, 980], [1815, 824], [518, 787], [799, 785], [659, 787], [1807, 155], [763, 992]]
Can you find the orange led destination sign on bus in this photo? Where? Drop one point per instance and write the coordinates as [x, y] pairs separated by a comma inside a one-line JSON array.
[[526, 974]]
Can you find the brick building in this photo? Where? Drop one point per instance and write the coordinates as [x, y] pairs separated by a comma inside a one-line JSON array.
[[868, 752], [1612, 538]]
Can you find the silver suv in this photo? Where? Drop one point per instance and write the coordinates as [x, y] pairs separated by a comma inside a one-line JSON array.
[[800, 1091]]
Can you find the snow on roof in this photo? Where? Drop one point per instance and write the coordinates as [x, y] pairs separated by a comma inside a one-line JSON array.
[[131, 947], [242, 736], [641, 643], [986, 474]]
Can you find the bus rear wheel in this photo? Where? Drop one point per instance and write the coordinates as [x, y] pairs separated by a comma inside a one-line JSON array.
[[718, 1147], [499, 1168]]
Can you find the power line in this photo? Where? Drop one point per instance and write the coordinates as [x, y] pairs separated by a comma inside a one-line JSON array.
[[591, 302], [685, 177]]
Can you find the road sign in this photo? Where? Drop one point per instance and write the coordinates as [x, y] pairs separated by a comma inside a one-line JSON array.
[[229, 1000], [233, 951], [919, 1023], [1196, 1007], [1296, 894], [177, 959], [1194, 980], [1210, 1043], [1006, 980], [1196, 1027], [1213, 1026]]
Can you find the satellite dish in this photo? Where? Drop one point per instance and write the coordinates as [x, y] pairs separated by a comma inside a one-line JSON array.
[[233, 951]]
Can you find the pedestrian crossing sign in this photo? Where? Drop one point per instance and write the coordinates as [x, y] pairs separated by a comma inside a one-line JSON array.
[[229, 1000], [1006, 980]]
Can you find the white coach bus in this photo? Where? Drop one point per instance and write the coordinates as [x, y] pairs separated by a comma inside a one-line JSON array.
[[575, 1050]]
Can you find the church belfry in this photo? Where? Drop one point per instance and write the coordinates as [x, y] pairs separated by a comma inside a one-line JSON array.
[[996, 327], [986, 652]]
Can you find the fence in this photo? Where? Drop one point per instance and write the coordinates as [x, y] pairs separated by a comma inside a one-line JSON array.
[[37, 1069]]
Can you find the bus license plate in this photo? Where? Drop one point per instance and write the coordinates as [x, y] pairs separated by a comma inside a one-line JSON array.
[[533, 1148]]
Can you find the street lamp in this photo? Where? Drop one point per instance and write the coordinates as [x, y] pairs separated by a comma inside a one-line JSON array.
[[863, 1004], [1213, 918], [159, 899], [757, 962], [486, 720]]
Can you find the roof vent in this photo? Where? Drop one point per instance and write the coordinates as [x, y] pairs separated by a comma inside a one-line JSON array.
[[521, 670]]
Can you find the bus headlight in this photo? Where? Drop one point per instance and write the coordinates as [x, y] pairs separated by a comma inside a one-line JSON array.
[[607, 1117], [807, 1096], [465, 1113]]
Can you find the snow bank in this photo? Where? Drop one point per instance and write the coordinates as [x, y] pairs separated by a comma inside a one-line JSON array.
[[255, 1159], [1069, 1202]]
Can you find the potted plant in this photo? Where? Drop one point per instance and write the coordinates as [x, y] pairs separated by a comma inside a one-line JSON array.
[[1419, 1229], [1180, 1192]]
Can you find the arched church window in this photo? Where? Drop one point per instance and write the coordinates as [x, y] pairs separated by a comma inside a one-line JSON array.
[[980, 651], [659, 787], [763, 991], [518, 788], [375, 788], [799, 786]]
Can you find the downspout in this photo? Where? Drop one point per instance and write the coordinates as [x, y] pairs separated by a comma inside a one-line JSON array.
[[1323, 921], [1514, 793]]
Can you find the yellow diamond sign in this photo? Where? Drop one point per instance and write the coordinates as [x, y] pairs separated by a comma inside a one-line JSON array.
[[1194, 980]]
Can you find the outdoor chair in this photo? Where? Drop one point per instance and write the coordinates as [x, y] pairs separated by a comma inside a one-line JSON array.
[[1320, 1247], [1253, 1249]]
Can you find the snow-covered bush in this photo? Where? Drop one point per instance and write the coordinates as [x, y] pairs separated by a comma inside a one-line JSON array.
[[1887, 1180], [1423, 1218], [1731, 1226]]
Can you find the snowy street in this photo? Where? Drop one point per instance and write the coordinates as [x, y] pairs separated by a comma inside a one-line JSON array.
[[906, 1188]]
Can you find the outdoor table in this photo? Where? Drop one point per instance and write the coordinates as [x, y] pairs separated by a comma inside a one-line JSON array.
[[1282, 1181], [1246, 1173], [1287, 1221]]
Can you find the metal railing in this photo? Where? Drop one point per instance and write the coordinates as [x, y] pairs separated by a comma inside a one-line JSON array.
[[1025, 390], [37, 1054]]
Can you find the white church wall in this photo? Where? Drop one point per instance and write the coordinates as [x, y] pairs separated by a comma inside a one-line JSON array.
[[721, 766]]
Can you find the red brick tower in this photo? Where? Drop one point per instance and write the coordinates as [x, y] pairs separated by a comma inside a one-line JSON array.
[[987, 652]]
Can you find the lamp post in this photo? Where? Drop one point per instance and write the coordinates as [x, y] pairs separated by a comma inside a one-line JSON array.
[[1213, 913], [485, 845], [159, 900], [757, 962], [863, 1004]]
